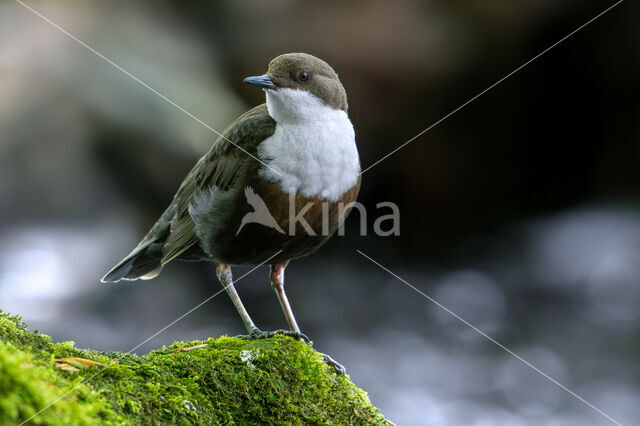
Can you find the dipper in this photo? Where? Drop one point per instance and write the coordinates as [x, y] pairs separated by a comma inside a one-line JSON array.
[[278, 192]]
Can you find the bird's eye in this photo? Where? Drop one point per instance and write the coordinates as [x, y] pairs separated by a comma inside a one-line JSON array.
[[304, 76]]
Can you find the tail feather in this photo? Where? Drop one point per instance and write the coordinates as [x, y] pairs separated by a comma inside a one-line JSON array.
[[143, 263]]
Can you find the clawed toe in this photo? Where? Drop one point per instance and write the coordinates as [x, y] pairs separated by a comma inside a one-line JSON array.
[[334, 364], [295, 334], [256, 333]]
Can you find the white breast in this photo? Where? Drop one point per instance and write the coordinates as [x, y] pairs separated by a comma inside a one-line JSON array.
[[313, 147]]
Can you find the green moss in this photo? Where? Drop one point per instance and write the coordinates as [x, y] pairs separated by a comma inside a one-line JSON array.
[[232, 381]]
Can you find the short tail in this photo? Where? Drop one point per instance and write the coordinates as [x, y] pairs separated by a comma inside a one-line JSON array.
[[145, 261], [142, 263]]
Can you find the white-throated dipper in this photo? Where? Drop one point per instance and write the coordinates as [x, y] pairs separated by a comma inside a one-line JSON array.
[[235, 210]]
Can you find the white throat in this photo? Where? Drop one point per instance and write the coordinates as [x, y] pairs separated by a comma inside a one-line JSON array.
[[313, 147]]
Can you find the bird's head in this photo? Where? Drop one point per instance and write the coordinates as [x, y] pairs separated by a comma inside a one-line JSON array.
[[297, 84]]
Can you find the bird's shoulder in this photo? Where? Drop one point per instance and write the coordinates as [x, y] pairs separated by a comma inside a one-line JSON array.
[[236, 146], [247, 131]]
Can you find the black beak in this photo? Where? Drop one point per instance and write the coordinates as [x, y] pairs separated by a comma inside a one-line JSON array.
[[261, 81]]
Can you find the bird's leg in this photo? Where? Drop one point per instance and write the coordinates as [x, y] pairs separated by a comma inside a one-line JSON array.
[[277, 283], [276, 274], [226, 279]]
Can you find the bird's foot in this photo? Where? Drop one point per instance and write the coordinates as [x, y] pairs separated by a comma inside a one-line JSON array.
[[295, 334], [334, 364], [256, 333]]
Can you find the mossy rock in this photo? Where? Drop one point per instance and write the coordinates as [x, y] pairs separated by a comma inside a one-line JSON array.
[[224, 381]]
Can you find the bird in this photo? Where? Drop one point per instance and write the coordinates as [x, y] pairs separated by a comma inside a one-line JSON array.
[[293, 157]]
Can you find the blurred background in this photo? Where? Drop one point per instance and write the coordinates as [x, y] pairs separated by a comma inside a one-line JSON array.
[[521, 212]]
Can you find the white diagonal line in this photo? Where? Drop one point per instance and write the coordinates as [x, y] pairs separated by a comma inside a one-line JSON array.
[[149, 338], [492, 340], [136, 79], [493, 85]]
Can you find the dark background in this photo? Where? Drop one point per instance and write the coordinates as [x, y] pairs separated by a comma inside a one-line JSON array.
[[520, 212]]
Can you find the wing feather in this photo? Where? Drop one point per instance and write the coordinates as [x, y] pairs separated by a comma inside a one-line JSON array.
[[218, 168]]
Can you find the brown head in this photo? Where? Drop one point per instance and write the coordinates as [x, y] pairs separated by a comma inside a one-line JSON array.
[[303, 72]]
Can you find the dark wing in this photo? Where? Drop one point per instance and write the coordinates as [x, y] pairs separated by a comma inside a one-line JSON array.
[[218, 168]]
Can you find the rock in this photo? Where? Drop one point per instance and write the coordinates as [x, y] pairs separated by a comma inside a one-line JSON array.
[[283, 381]]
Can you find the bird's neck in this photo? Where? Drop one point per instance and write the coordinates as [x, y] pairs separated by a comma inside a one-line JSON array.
[[296, 106], [312, 151]]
